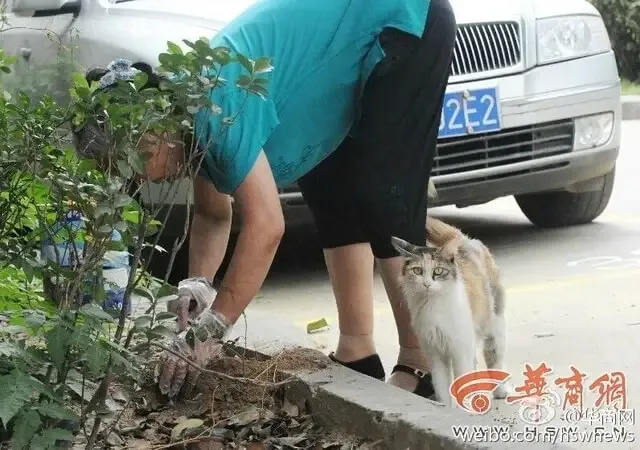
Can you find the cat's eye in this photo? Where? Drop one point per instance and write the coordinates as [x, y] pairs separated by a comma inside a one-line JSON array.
[[440, 272], [417, 271]]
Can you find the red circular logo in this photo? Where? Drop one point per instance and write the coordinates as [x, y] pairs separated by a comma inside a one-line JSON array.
[[480, 403]]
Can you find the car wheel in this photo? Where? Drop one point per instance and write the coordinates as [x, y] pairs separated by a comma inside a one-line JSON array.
[[563, 208]]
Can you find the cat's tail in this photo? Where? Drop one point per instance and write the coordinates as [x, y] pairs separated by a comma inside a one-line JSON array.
[[440, 233]]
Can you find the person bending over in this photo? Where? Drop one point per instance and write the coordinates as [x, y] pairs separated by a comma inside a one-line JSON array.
[[352, 116]]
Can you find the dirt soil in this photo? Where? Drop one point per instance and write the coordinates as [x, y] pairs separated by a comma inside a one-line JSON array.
[[249, 412]]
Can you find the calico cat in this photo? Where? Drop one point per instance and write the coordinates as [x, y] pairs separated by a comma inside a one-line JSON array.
[[456, 301]]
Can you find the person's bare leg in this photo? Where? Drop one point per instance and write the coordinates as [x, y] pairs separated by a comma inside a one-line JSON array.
[[410, 352], [351, 271]]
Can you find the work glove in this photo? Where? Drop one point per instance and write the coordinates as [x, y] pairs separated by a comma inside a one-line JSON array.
[[199, 344], [194, 296]]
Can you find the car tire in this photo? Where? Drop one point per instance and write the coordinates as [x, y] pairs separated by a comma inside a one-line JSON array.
[[563, 208]]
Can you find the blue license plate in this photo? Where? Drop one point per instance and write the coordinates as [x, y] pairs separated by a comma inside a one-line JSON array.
[[476, 112]]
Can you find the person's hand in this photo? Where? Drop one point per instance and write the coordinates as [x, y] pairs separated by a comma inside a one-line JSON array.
[[199, 345], [194, 296]]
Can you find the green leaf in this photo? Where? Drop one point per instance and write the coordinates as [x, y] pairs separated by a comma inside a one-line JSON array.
[[9, 349], [174, 48], [48, 439], [166, 290], [246, 63], [101, 211], [263, 65], [140, 80], [243, 81], [165, 315], [121, 226], [34, 319], [79, 80], [131, 216], [221, 56], [121, 361], [26, 426], [12, 330], [95, 312], [202, 333], [56, 411], [190, 338], [144, 292], [28, 270], [57, 340], [16, 390], [160, 331], [142, 322], [125, 169], [106, 229], [122, 200], [96, 358], [258, 90]]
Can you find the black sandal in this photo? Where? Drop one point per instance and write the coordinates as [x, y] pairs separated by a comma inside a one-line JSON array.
[[425, 383], [370, 366]]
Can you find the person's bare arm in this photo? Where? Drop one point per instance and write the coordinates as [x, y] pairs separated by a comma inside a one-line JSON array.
[[210, 229], [261, 229]]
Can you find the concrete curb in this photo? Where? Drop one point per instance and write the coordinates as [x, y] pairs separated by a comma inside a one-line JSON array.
[[631, 107], [342, 398]]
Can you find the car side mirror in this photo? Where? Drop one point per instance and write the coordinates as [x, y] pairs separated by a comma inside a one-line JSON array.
[[45, 7]]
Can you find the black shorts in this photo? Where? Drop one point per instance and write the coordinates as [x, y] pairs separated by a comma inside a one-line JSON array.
[[374, 185]]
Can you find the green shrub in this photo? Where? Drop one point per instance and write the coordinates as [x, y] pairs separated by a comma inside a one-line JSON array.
[[622, 19], [58, 356]]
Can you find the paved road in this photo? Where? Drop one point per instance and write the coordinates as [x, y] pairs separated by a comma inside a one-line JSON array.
[[573, 294]]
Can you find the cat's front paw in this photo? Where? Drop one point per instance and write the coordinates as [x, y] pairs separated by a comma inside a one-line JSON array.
[[503, 391]]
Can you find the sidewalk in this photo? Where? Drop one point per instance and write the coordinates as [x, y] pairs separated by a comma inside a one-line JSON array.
[[630, 107]]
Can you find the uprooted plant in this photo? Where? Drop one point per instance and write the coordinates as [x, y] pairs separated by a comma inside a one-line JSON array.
[[67, 332]]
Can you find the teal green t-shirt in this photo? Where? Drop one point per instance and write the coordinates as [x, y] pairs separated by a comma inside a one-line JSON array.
[[322, 51]]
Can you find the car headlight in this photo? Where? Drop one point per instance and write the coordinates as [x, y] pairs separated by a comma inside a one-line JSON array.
[[568, 37]]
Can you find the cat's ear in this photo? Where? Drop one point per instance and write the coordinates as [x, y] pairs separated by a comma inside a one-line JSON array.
[[405, 248]]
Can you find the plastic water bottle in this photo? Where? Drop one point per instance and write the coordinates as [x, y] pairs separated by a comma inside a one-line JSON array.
[[68, 254], [115, 274], [64, 246]]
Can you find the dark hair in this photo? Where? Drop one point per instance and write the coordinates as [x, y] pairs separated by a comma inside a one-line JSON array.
[[93, 139]]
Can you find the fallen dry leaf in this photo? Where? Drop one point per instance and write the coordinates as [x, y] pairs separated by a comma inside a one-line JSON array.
[[254, 446], [290, 409], [207, 443], [114, 440], [317, 325], [250, 415], [183, 425]]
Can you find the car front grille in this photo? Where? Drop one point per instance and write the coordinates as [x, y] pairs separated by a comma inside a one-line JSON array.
[[484, 47], [481, 151], [463, 154]]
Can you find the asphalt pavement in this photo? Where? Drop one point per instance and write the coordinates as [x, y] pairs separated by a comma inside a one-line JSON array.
[[573, 297]]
